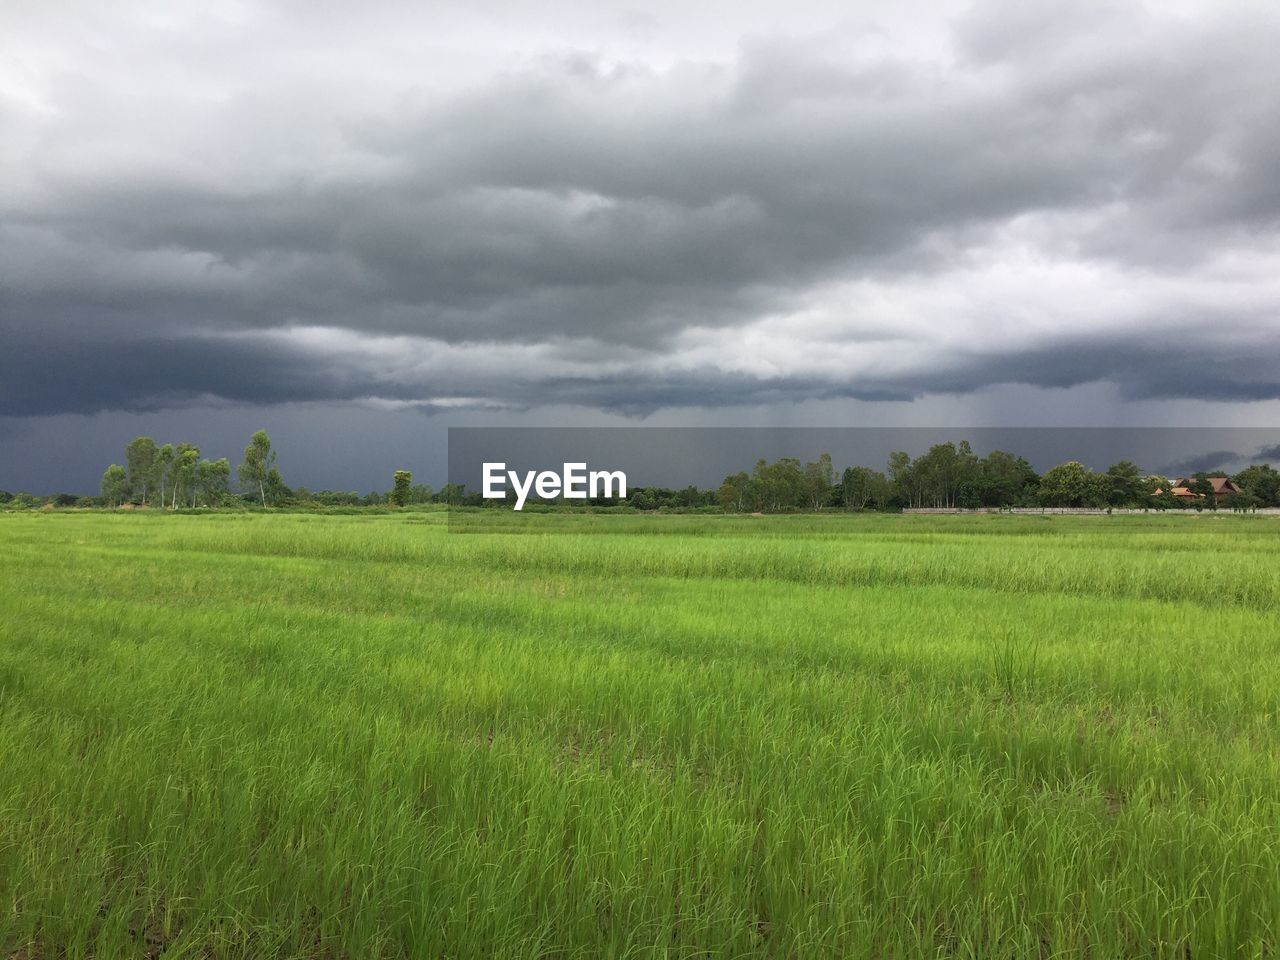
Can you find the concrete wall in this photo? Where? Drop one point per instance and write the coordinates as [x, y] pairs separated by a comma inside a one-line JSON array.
[[1088, 511]]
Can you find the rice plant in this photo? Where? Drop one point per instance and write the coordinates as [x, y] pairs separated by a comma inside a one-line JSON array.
[[607, 736]]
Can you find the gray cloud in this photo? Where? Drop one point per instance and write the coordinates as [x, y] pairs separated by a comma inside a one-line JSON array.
[[1052, 196], [1228, 460], [1204, 463]]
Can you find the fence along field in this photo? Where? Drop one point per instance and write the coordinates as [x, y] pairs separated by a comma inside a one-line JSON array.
[[305, 736]]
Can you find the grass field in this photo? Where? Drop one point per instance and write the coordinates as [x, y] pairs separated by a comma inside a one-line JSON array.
[[259, 736]]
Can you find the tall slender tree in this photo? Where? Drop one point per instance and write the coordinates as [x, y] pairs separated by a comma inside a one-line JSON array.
[[115, 485], [213, 480], [259, 458], [902, 476], [186, 461], [819, 478], [164, 469], [861, 486], [140, 466]]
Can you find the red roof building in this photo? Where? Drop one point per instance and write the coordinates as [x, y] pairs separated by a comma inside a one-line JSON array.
[[1222, 487]]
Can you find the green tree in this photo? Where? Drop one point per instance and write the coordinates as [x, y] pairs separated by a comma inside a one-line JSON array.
[[1001, 480], [778, 485], [641, 499], [902, 478], [1241, 502], [259, 459], [819, 478], [164, 469], [213, 481], [278, 492], [943, 472], [186, 463], [402, 482], [1126, 486], [862, 487], [115, 485], [1261, 481], [1072, 484], [452, 493], [690, 496], [734, 495], [761, 486], [140, 466]]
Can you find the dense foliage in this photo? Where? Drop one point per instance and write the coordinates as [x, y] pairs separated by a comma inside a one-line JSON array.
[[951, 476], [946, 476]]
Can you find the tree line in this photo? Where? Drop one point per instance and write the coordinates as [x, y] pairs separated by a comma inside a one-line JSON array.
[[172, 475], [948, 475]]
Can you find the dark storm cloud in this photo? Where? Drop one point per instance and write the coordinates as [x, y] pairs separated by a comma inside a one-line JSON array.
[[1224, 459], [162, 372], [1217, 460], [573, 228], [174, 370], [1142, 369]]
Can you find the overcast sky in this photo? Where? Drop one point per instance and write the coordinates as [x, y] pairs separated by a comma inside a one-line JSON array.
[[358, 223]]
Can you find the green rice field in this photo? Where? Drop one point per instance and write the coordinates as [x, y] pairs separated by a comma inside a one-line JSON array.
[[367, 736]]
